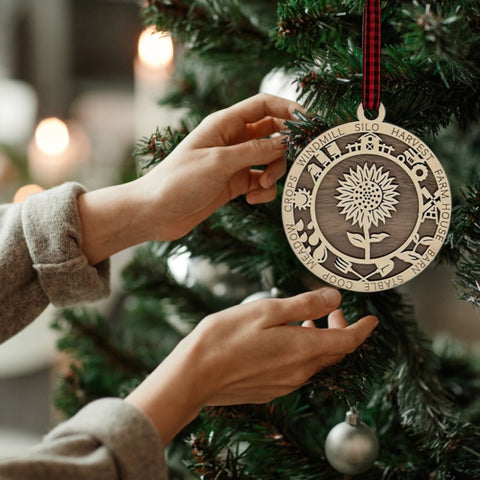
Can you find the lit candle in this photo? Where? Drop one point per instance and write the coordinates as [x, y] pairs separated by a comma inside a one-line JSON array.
[[155, 49], [56, 151], [153, 68], [51, 136]]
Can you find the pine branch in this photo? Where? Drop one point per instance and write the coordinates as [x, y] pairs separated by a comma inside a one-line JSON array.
[[218, 30], [465, 237], [99, 365], [149, 151], [450, 441], [430, 37], [301, 132], [93, 330], [430, 73], [148, 276], [460, 371], [275, 435], [214, 460], [306, 27], [202, 88], [245, 238], [415, 98]]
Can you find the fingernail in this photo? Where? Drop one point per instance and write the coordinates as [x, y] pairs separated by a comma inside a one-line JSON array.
[[332, 297]]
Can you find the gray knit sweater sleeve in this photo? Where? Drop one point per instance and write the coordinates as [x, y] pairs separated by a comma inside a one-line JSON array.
[[41, 262], [107, 440], [40, 258]]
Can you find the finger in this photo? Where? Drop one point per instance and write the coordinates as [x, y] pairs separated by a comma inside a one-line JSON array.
[[263, 105], [262, 195], [341, 341], [306, 306], [274, 171], [264, 127], [251, 153], [250, 186], [362, 328], [337, 320]]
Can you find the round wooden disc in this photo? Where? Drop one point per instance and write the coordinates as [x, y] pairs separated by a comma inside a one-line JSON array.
[[366, 205]]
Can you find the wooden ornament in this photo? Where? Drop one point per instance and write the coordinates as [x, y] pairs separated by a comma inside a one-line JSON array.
[[366, 206]]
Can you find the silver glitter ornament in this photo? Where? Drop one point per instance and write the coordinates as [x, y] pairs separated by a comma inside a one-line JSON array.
[[351, 447]]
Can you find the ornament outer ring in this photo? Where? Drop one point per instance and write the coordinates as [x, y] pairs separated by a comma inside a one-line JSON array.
[[366, 205]]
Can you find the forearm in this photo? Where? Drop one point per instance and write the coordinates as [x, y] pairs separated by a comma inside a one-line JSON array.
[[173, 394], [112, 219]]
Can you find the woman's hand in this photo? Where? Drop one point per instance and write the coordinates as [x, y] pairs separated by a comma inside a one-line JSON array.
[[249, 353], [210, 167], [214, 164]]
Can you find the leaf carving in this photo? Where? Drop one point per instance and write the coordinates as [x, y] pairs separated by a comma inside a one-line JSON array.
[[409, 256], [426, 240], [299, 225], [356, 239], [313, 239], [321, 253], [378, 237]]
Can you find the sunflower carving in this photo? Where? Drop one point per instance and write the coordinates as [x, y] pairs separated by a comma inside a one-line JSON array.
[[367, 197]]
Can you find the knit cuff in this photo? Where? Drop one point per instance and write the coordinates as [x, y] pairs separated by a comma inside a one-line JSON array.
[[128, 435], [53, 234]]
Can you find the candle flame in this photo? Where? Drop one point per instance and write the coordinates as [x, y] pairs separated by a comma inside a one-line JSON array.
[[51, 136], [155, 49]]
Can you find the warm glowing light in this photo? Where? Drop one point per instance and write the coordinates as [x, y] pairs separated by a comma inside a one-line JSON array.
[[51, 136], [25, 191], [155, 49]]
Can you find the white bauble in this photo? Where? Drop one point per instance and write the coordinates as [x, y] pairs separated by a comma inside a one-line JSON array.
[[281, 84], [272, 293]]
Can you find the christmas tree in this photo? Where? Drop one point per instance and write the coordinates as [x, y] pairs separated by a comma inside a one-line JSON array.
[[422, 404]]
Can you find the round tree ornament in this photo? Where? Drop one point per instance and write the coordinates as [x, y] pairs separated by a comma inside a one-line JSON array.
[[366, 205], [351, 447]]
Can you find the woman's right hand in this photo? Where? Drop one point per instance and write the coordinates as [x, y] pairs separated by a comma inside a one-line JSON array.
[[250, 353]]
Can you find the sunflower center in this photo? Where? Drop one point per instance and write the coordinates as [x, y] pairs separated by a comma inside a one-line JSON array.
[[368, 195]]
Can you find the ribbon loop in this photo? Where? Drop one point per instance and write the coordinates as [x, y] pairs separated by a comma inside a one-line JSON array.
[[371, 55]]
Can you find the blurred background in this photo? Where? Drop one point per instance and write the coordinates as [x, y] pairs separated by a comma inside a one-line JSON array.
[[77, 89], [75, 95]]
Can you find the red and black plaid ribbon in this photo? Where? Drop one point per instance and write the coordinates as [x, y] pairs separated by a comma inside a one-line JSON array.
[[371, 55]]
